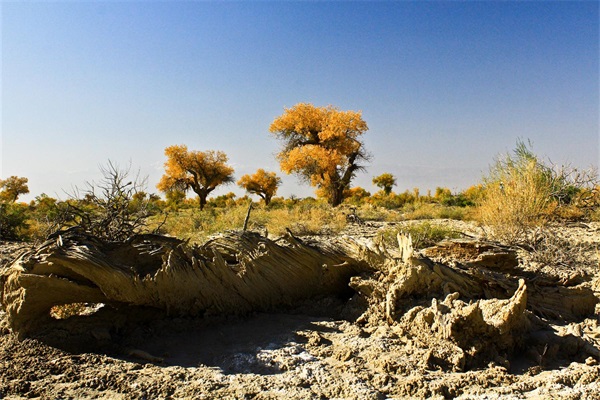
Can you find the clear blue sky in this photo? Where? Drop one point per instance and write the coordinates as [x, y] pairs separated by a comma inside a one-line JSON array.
[[443, 86]]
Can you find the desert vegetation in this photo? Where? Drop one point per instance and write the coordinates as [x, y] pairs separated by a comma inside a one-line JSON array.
[[261, 183], [201, 171], [523, 192], [321, 145], [406, 271], [520, 195]]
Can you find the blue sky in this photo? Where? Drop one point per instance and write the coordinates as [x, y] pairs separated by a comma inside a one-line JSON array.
[[443, 86]]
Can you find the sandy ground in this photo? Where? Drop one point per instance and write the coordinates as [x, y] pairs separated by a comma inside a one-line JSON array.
[[307, 352]]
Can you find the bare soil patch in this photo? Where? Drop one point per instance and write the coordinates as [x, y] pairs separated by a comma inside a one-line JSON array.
[[323, 347]]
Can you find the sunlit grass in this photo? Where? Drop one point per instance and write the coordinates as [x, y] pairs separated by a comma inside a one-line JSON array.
[[423, 234], [302, 219]]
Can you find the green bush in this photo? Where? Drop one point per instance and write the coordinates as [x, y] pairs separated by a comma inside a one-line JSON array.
[[13, 220]]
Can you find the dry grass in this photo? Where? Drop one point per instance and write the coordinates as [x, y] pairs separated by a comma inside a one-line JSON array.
[[423, 234], [522, 194], [305, 218], [513, 208], [419, 211], [413, 211], [517, 197]]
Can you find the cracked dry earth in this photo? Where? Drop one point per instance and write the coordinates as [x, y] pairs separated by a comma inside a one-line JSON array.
[[309, 352]]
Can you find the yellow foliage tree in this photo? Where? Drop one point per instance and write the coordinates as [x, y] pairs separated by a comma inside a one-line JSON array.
[[201, 171], [356, 195], [385, 182], [262, 183], [12, 187], [475, 193], [322, 145]]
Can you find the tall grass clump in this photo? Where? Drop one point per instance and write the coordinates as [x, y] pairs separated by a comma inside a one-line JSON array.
[[522, 192], [423, 234]]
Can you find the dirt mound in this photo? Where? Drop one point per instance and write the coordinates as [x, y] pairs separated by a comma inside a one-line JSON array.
[[237, 272], [465, 319]]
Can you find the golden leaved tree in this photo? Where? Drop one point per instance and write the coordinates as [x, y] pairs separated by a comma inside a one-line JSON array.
[[201, 171], [321, 145], [12, 187], [385, 182], [262, 183]]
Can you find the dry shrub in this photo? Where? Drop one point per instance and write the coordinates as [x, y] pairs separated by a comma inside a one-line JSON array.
[[570, 212], [522, 193], [514, 205], [595, 215], [548, 247]]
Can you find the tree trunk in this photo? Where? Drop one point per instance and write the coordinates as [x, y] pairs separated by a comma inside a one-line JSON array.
[[336, 193], [202, 199], [337, 197], [202, 193], [202, 196]]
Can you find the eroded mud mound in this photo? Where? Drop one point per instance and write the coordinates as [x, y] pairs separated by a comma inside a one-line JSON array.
[[474, 305], [236, 272], [461, 319]]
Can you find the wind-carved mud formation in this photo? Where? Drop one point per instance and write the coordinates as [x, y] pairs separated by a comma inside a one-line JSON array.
[[236, 272], [469, 303]]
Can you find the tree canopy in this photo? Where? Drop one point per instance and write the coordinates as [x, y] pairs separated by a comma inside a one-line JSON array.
[[321, 145], [201, 171], [12, 187], [262, 183], [385, 182]]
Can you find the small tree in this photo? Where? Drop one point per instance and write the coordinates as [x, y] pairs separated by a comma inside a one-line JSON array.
[[12, 187], [262, 183], [385, 182], [475, 193], [222, 201], [201, 171], [48, 215], [356, 192], [321, 145]]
